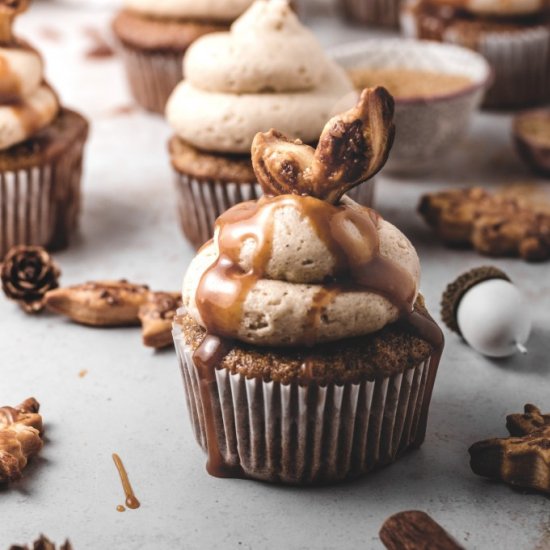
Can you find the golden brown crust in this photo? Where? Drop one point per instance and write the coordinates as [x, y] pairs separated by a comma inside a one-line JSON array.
[[352, 148], [20, 438], [42, 543], [49, 143], [523, 461], [144, 32], [190, 161], [387, 352], [99, 303], [156, 317], [493, 224]]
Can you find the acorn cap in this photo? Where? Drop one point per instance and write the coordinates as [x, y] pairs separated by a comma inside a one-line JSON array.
[[458, 288]]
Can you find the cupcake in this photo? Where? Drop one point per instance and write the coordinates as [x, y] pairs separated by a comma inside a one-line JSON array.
[[41, 148], [154, 36], [306, 350], [514, 36], [372, 12], [267, 72]]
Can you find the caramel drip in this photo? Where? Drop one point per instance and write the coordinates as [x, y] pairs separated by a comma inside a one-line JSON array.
[[10, 85], [131, 501]]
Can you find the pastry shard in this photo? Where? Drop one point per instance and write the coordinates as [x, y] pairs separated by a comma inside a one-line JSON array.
[[20, 438], [494, 224], [99, 303], [522, 461], [42, 543], [415, 530], [156, 317], [353, 147]]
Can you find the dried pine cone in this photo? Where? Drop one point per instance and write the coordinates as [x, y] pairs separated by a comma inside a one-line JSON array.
[[27, 273]]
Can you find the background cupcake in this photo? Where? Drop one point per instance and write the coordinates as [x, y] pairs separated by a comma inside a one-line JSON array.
[[155, 35], [373, 12], [306, 353], [514, 37], [41, 148], [267, 72]]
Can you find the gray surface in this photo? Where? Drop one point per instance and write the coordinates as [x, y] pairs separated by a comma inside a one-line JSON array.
[[132, 401]]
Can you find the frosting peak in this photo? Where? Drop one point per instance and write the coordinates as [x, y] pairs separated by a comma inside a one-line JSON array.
[[267, 71]]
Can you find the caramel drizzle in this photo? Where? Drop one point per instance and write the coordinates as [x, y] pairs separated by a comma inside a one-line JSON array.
[[131, 501], [224, 286]]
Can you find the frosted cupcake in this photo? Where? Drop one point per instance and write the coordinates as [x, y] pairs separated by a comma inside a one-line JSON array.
[[513, 35], [154, 35], [373, 12], [41, 148], [267, 72], [307, 353]]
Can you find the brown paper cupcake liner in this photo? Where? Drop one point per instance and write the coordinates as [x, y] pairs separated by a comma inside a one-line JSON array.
[[40, 204], [202, 201], [373, 12], [309, 434], [152, 75]]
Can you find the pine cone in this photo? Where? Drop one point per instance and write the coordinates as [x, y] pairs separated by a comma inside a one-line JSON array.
[[27, 273]]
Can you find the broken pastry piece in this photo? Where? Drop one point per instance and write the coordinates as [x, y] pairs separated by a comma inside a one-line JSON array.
[[353, 147], [493, 224], [522, 460], [20, 438], [99, 303], [156, 317], [42, 543]]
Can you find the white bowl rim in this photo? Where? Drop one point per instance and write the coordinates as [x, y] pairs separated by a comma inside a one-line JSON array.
[[357, 46]]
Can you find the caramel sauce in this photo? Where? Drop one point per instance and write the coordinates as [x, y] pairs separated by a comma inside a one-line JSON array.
[[7, 416], [131, 501], [120, 508], [359, 266]]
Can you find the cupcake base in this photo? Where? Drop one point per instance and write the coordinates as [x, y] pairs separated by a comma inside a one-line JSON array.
[[373, 12], [207, 185], [40, 185], [305, 433]]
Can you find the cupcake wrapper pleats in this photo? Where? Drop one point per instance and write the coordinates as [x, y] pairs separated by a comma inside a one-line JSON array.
[[309, 434], [201, 201], [373, 12], [39, 205]]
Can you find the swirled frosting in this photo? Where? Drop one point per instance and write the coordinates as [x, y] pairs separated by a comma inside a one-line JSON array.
[[27, 103], [268, 71], [296, 270], [210, 10], [498, 7]]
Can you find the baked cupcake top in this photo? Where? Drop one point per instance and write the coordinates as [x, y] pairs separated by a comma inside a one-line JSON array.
[[208, 10], [268, 71], [499, 8], [27, 103], [304, 264]]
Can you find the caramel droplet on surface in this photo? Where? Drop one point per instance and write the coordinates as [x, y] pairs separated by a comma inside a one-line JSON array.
[[82, 373], [131, 501], [120, 508]]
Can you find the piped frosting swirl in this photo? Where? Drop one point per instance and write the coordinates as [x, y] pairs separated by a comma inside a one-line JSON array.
[[268, 71], [27, 103]]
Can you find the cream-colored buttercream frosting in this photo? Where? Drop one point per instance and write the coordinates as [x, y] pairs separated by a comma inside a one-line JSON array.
[[277, 308], [209, 10], [499, 7], [27, 104], [267, 72]]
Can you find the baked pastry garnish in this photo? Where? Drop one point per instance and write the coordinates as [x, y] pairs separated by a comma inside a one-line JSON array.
[[99, 303], [415, 530], [156, 316], [20, 438], [27, 273], [342, 158], [522, 460], [493, 224], [42, 543]]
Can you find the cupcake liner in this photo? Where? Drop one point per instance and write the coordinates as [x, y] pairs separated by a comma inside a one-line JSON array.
[[202, 201], [40, 204], [152, 75], [373, 12], [309, 434]]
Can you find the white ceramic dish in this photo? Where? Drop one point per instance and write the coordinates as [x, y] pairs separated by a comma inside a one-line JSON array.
[[427, 127]]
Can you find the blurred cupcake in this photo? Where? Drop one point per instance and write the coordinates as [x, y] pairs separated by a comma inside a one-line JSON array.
[[307, 353], [154, 36], [514, 36], [41, 148], [373, 12], [267, 72]]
